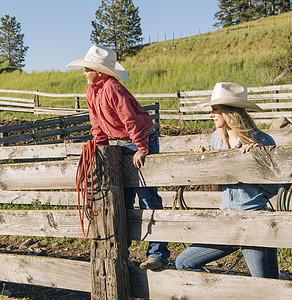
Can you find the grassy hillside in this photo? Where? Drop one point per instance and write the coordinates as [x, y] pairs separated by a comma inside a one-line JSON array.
[[253, 57]]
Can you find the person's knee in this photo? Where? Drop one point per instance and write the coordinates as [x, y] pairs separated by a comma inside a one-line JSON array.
[[179, 265]]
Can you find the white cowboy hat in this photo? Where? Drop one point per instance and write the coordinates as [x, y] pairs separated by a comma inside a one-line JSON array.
[[102, 59], [231, 94]]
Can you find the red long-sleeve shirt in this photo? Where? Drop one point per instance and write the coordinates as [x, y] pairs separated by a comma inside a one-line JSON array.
[[114, 112]]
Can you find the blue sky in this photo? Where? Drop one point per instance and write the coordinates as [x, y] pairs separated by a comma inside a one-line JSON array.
[[58, 31]]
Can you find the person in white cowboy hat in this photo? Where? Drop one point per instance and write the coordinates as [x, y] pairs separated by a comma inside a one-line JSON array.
[[235, 129], [114, 112]]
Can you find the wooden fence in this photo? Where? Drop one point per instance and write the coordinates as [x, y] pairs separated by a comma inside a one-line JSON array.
[[71, 128], [46, 174], [274, 100]]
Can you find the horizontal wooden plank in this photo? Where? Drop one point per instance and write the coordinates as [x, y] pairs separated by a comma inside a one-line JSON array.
[[196, 93], [170, 95], [16, 91], [188, 142], [53, 111], [166, 284], [68, 198], [183, 142], [40, 175], [276, 114], [21, 104], [60, 95], [269, 88], [250, 228], [169, 117], [16, 138], [191, 100], [207, 116], [210, 200], [28, 110], [250, 97], [270, 96], [46, 123], [278, 105], [167, 144], [260, 165], [17, 99], [173, 284], [185, 226], [44, 223], [46, 271], [34, 152], [168, 111]]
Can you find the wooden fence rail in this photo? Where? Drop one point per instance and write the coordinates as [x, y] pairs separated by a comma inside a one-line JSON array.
[[53, 182], [277, 103], [71, 128]]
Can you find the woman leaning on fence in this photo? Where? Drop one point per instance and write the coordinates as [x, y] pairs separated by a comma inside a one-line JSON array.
[[235, 129]]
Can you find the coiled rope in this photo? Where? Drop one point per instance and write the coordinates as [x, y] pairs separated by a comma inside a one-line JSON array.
[[284, 197], [84, 176]]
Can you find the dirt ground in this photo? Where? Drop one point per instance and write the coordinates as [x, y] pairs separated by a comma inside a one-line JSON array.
[[80, 250]]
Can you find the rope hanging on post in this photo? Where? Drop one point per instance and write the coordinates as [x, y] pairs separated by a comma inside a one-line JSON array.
[[84, 176]]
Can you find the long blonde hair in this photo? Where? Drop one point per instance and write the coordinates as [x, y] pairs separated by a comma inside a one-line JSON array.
[[241, 123]]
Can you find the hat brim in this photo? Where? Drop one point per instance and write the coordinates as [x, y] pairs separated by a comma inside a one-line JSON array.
[[118, 70], [231, 101]]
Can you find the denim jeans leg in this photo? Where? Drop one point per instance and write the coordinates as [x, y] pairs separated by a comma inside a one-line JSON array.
[[148, 198], [261, 261], [197, 255]]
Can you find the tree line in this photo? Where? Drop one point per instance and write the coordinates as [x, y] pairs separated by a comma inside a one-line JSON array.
[[232, 12]]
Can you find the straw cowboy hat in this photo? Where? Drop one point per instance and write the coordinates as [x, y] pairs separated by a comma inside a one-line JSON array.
[[101, 59], [231, 94]]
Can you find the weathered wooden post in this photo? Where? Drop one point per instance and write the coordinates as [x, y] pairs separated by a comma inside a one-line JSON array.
[[77, 104], [275, 101], [156, 121], [109, 251], [36, 101], [180, 106]]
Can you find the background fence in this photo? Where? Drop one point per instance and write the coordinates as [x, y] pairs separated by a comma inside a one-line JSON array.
[[183, 106], [256, 25]]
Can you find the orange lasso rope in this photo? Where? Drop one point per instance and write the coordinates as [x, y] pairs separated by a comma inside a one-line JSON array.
[[84, 175]]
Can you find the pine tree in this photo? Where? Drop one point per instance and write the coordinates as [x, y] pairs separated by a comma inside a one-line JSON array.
[[247, 10], [225, 15], [117, 25], [11, 41], [233, 12]]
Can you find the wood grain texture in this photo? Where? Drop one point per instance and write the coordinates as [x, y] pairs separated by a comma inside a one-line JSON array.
[[260, 165], [45, 271], [251, 228], [54, 223], [109, 251], [172, 284]]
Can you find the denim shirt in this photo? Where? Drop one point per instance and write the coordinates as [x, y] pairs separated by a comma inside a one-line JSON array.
[[245, 196]]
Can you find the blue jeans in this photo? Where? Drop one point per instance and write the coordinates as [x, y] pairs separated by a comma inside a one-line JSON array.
[[148, 197], [261, 261]]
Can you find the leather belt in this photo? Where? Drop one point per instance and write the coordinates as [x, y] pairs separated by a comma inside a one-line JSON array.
[[127, 140]]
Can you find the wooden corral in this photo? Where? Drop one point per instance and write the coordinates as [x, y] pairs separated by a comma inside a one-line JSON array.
[[46, 174]]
